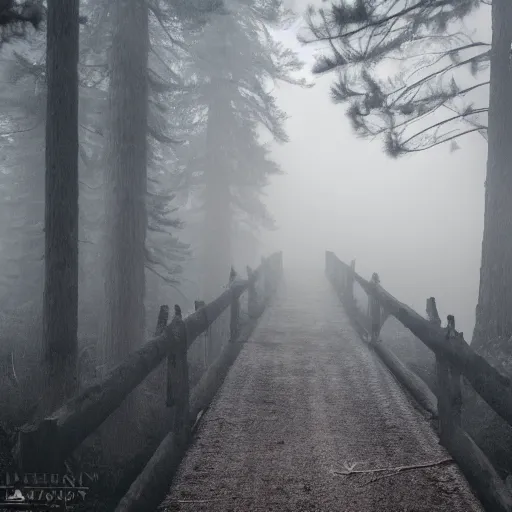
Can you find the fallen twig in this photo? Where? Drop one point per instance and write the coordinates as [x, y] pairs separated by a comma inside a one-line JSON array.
[[394, 470], [404, 469]]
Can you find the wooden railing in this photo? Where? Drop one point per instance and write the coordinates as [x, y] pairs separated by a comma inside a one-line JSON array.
[[44, 446], [454, 359]]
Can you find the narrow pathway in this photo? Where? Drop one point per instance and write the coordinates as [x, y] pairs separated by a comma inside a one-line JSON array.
[[305, 400]]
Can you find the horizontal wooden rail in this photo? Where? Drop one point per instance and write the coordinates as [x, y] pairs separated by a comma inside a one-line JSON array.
[[488, 382], [363, 325], [148, 490], [454, 358], [479, 471], [416, 386], [46, 444]]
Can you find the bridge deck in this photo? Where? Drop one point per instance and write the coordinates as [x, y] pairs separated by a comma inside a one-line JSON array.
[[305, 397]]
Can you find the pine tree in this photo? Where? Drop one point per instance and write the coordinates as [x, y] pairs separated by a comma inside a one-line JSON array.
[[493, 318], [424, 104], [233, 64], [400, 67], [23, 115], [126, 181]]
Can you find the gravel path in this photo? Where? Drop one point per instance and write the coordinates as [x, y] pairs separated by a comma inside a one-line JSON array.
[[305, 397]]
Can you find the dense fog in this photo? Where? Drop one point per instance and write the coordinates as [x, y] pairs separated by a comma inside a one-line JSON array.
[[185, 186], [416, 220]]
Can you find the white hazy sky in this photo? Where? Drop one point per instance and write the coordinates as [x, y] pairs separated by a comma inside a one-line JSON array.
[[417, 221]]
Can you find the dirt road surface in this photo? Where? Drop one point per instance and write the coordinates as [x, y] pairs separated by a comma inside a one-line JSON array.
[[305, 401]]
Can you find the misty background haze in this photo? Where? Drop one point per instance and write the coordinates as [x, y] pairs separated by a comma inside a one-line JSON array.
[[158, 160], [417, 220]]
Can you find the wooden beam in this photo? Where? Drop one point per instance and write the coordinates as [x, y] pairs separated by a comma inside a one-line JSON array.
[[234, 320], [490, 488], [252, 297], [56, 436], [411, 382], [163, 318], [150, 487], [349, 280], [449, 388], [178, 380], [375, 311], [432, 314], [177, 366], [489, 383], [148, 490]]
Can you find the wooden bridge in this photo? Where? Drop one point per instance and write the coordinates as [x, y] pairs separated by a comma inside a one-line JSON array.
[[304, 409]]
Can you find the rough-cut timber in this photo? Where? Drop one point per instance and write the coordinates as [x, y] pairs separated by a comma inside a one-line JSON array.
[[57, 435], [495, 495], [48, 442], [362, 324], [414, 384], [489, 383], [147, 491], [141, 494], [303, 404]]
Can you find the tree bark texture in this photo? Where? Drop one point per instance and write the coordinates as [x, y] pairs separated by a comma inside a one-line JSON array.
[[493, 313], [60, 302], [126, 180], [126, 220]]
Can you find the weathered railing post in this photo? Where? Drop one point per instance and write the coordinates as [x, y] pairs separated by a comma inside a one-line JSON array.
[[328, 264], [163, 318], [234, 324], [449, 394], [177, 376], [252, 298], [432, 314], [375, 311], [272, 273], [349, 282], [198, 304], [267, 278], [339, 276]]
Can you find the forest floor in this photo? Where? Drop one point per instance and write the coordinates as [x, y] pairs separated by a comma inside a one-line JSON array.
[[309, 419]]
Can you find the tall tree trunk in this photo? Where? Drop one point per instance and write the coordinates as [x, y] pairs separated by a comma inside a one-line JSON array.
[[126, 179], [126, 185], [217, 196], [494, 310], [60, 302]]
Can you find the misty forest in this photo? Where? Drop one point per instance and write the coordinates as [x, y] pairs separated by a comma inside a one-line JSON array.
[[203, 205]]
